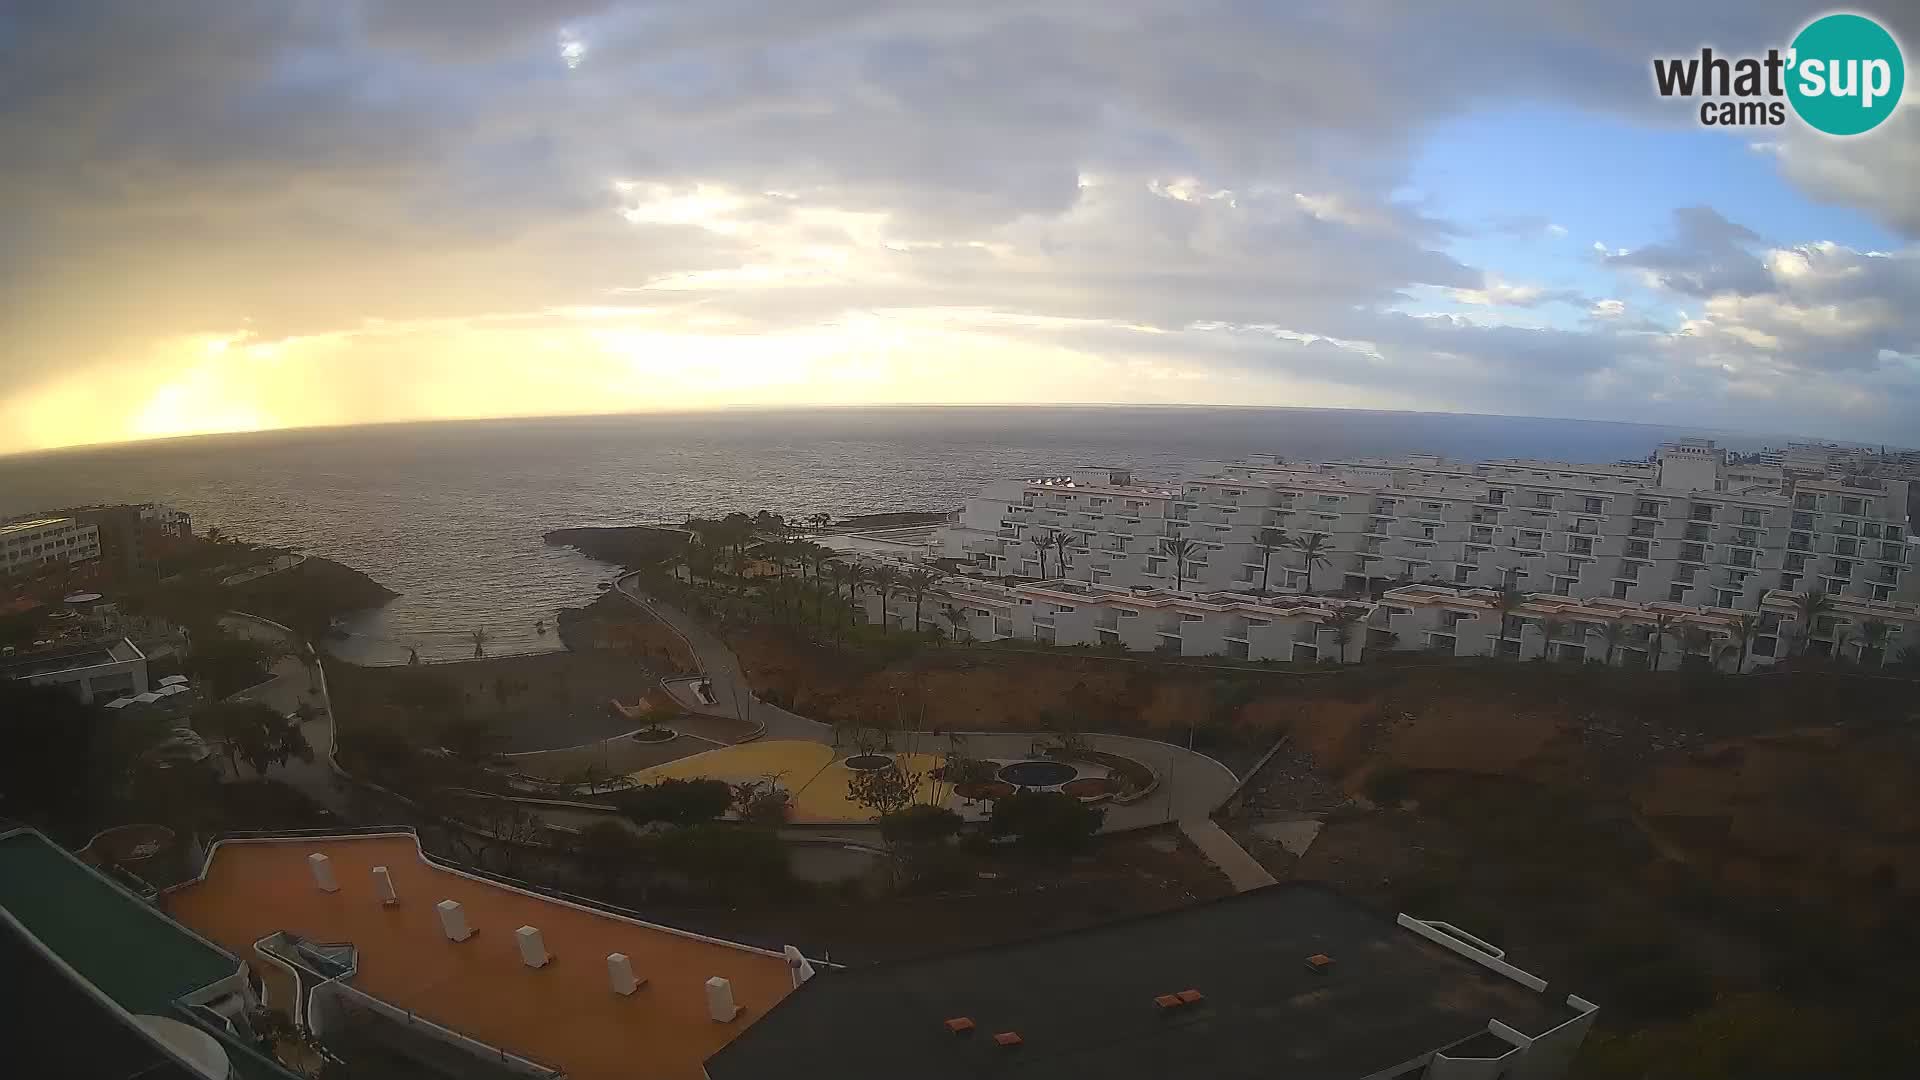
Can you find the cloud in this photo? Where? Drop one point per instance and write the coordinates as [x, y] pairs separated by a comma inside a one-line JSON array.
[[1154, 194]]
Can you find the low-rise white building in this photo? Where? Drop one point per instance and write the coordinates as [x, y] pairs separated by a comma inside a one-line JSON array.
[[96, 672], [1687, 528], [33, 544], [1451, 620]]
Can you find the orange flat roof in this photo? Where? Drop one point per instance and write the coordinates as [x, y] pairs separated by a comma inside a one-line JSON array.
[[564, 1014]]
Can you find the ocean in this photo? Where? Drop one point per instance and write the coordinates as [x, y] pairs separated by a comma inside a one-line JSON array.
[[450, 514]]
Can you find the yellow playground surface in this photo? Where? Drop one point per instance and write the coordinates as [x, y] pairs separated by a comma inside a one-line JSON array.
[[811, 773]]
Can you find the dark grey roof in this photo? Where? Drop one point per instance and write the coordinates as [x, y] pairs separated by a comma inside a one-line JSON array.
[[52, 1027], [1083, 1002]]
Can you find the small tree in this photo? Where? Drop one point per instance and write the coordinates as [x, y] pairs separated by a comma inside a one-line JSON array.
[[675, 802], [252, 732], [1046, 822], [726, 861], [884, 791], [916, 838], [610, 851]]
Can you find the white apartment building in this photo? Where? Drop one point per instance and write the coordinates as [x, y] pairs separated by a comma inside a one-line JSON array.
[[31, 545], [1445, 619], [1687, 528]]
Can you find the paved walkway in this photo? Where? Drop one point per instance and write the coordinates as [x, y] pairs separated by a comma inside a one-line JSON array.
[[1241, 869], [293, 685], [1191, 784], [733, 697]]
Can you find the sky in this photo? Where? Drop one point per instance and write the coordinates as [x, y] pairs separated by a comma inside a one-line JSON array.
[[223, 217]]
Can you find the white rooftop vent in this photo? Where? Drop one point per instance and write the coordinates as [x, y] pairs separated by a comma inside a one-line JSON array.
[[322, 869], [453, 920], [533, 948], [800, 967], [620, 974], [383, 886], [720, 1004]]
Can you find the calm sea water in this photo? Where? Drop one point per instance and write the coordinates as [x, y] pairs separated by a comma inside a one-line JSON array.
[[450, 514]]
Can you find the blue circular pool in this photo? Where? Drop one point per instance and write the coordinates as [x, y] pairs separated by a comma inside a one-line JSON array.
[[1037, 774]]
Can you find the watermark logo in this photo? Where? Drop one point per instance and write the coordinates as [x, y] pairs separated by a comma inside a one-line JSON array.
[[1843, 74]]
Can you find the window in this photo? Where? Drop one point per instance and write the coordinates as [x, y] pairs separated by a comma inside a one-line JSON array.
[[1799, 542], [1126, 614], [1893, 532], [1329, 500], [1842, 568], [1806, 502], [1870, 530], [1693, 552], [1638, 549], [1543, 500], [1850, 506], [1796, 561], [1593, 505], [1846, 547], [1700, 512], [1728, 599], [1620, 589], [1746, 538], [1883, 592], [1677, 593], [1581, 545], [1646, 508], [1461, 573], [1749, 517], [1802, 521], [1497, 497], [1696, 531]]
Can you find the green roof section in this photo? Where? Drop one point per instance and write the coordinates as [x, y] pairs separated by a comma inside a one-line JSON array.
[[133, 953]]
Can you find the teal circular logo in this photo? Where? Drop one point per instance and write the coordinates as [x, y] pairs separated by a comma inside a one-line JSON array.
[[1846, 74]]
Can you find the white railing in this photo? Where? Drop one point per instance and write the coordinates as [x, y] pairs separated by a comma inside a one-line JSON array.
[[330, 1000]]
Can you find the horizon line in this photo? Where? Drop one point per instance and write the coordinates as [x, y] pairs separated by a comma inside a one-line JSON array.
[[116, 444]]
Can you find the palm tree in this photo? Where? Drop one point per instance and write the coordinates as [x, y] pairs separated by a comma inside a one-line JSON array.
[[1040, 544], [1506, 603], [856, 577], [1872, 638], [884, 579], [479, 644], [1179, 549], [1313, 548], [1807, 612], [918, 581], [1551, 629], [1694, 640], [820, 521], [1613, 633], [1663, 624], [1744, 628], [1343, 624], [1061, 541], [1268, 541]]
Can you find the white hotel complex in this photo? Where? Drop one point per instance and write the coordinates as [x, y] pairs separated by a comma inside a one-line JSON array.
[[1414, 554], [31, 545]]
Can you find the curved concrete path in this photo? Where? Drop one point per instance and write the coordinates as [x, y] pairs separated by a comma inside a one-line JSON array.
[[1192, 785]]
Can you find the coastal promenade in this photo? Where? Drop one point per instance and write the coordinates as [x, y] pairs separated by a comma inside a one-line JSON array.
[[293, 684], [1192, 785]]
